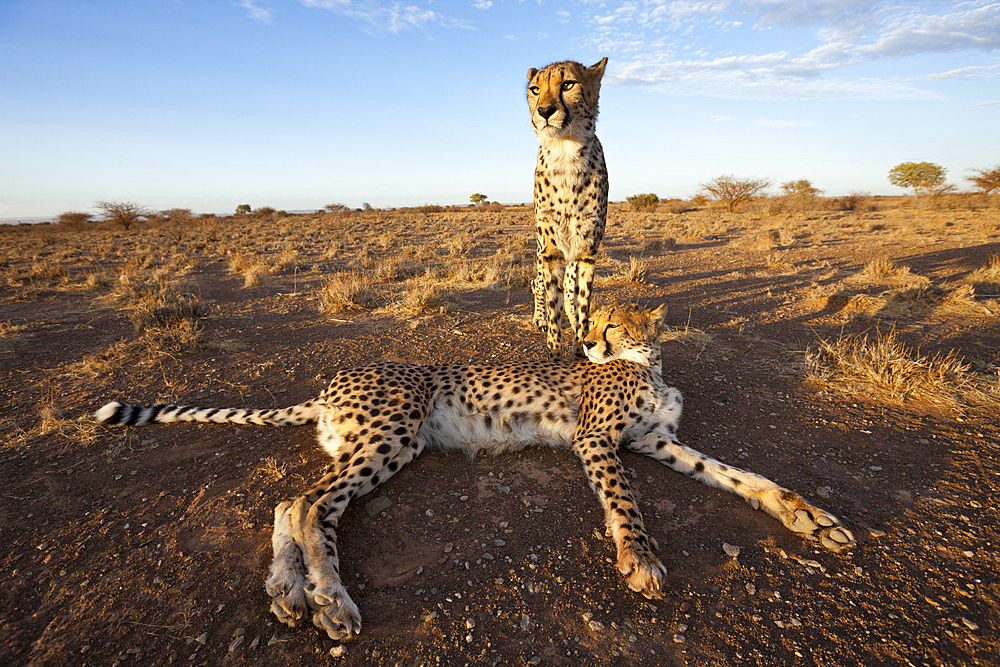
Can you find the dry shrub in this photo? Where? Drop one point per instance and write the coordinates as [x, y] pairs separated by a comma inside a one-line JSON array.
[[255, 275], [420, 300], [920, 301], [351, 290], [882, 365], [657, 245], [286, 262], [767, 239], [989, 273], [635, 271], [886, 271]]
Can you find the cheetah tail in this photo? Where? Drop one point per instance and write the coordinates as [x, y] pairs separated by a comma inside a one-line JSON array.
[[120, 414]]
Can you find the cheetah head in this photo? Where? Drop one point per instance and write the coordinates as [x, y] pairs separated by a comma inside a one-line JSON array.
[[563, 100], [624, 331]]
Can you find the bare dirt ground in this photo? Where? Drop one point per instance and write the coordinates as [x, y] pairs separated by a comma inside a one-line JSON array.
[[149, 546]]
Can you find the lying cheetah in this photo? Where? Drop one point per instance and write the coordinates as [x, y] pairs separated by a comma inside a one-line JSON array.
[[571, 195], [376, 419]]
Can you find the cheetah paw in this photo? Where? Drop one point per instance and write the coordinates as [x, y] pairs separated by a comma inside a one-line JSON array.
[[340, 620], [643, 571], [807, 521]]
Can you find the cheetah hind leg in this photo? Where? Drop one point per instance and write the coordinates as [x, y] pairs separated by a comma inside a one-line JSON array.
[[287, 582], [333, 610]]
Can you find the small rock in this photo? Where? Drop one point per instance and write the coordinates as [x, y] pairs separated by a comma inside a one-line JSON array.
[[751, 589], [469, 638], [470, 623], [875, 532], [681, 628], [202, 638], [969, 624], [525, 623], [499, 543], [338, 651], [429, 617], [730, 550], [679, 639], [587, 616], [595, 625], [375, 506], [968, 554], [824, 491], [235, 644], [463, 498], [488, 556], [448, 547]]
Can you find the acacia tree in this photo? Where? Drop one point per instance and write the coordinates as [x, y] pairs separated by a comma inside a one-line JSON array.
[[923, 177], [478, 199], [986, 180], [124, 213], [73, 219], [800, 188], [734, 191]]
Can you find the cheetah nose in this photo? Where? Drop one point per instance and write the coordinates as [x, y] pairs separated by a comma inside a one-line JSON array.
[[546, 112]]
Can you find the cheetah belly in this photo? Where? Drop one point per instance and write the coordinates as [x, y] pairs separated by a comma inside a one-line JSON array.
[[452, 425]]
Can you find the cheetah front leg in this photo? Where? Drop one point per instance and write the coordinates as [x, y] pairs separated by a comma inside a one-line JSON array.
[[786, 506], [642, 569], [553, 270], [577, 288]]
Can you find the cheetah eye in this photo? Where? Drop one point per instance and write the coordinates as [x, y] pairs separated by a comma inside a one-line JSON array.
[[534, 90], [568, 85]]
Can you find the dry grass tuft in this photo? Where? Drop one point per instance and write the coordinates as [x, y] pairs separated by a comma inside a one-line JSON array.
[[882, 365], [989, 273], [422, 299], [886, 271], [347, 291], [635, 271]]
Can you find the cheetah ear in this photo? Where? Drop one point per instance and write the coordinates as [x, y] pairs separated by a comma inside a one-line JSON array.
[[532, 72], [656, 317], [597, 69]]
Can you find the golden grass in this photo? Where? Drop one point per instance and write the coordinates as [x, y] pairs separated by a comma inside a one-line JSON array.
[[880, 365], [346, 291], [990, 273]]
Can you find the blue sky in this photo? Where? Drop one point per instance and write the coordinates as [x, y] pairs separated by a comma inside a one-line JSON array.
[[299, 103]]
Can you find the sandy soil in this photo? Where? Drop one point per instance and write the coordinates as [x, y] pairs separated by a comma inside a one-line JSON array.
[[149, 546]]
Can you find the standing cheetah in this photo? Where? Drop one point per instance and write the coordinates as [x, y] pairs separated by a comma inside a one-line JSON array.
[[374, 420], [571, 195]]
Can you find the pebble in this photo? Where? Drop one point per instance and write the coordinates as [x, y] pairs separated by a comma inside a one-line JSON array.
[[969, 624], [679, 639], [202, 638], [823, 491], [731, 550], [235, 644], [338, 651], [751, 589], [499, 543], [525, 623], [375, 506], [531, 661], [429, 617]]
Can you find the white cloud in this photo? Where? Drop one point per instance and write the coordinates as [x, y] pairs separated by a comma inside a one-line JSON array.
[[386, 16], [763, 122], [987, 103], [844, 34], [482, 4], [253, 11]]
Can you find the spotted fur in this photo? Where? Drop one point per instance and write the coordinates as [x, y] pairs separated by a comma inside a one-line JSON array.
[[374, 420], [571, 195]]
